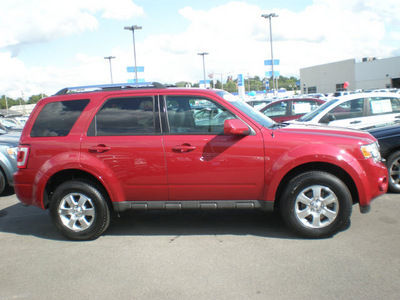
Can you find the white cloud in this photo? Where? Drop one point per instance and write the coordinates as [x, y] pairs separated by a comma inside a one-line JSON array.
[[234, 35], [237, 39], [35, 21]]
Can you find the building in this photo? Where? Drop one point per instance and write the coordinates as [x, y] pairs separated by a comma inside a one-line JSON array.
[[369, 74]]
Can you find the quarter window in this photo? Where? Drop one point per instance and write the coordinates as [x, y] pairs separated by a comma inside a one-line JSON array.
[[58, 118], [124, 116]]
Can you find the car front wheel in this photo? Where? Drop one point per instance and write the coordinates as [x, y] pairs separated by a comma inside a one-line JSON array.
[[79, 210], [316, 205], [393, 165]]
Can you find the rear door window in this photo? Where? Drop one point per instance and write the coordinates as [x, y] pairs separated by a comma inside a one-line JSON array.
[[125, 116], [57, 118], [276, 110], [381, 105]]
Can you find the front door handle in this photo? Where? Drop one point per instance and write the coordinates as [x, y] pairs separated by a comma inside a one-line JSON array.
[[99, 148], [183, 148], [355, 122]]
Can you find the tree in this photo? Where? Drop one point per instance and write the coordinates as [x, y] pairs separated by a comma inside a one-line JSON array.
[[231, 87], [35, 98]]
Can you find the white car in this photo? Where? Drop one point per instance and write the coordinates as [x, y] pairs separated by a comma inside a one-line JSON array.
[[358, 111]]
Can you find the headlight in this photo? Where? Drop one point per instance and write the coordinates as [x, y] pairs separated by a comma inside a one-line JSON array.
[[12, 151], [371, 151]]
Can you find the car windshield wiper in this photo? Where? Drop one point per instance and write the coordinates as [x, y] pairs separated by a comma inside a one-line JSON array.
[[278, 125]]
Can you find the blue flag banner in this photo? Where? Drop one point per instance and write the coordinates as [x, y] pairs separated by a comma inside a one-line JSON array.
[[269, 73], [240, 80], [132, 69], [202, 81], [269, 62]]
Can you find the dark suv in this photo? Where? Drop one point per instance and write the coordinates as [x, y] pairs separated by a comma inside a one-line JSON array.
[[89, 151]]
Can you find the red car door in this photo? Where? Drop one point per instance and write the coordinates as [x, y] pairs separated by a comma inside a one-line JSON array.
[[205, 164]]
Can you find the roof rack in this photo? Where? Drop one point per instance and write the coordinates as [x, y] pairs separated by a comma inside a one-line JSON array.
[[115, 86]]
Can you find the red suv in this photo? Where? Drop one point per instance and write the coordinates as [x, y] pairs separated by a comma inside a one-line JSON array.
[[89, 151]]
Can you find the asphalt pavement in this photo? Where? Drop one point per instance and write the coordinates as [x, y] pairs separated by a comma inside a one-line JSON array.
[[200, 255]]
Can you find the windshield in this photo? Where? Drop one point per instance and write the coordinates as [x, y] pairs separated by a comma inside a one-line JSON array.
[[247, 109], [309, 116]]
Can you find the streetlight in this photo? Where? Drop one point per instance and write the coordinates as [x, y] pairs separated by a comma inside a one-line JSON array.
[[269, 16], [204, 67], [109, 58], [222, 84], [132, 28]]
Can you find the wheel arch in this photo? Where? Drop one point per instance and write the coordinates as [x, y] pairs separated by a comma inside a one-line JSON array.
[[72, 174], [317, 166]]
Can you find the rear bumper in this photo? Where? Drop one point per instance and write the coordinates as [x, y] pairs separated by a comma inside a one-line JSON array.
[[28, 188]]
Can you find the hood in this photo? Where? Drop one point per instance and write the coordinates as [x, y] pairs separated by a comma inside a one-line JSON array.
[[11, 137], [385, 131], [325, 131]]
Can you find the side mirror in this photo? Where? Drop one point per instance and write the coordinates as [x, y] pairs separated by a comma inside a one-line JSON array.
[[235, 127]]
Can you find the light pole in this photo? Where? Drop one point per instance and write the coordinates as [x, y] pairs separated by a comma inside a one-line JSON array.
[[269, 16], [109, 58], [204, 68], [132, 28], [222, 84]]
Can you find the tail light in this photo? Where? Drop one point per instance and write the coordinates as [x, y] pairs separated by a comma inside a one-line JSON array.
[[22, 156]]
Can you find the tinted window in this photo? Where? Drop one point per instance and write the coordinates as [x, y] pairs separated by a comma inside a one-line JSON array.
[[124, 116], [57, 118], [276, 110], [346, 110], [309, 116], [196, 115]]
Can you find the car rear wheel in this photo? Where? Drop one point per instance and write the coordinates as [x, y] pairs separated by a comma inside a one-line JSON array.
[[3, 184], [393, 165], [316, 205], [79, 210]]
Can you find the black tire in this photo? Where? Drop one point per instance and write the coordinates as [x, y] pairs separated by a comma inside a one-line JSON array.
[[316, 205], [3, 183], [393, 166], [79, 210]]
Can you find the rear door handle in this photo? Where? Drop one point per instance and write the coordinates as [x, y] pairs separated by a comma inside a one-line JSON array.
[[183, 148], [355, 122], [99, 148]]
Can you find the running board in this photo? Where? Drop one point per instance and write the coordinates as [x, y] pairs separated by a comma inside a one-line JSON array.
[[201, 205]]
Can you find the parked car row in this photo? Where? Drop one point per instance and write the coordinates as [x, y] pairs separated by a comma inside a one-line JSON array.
[[13, 123], [376, 112]]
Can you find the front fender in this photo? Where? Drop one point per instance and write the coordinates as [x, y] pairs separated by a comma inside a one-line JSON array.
[[318, 153]]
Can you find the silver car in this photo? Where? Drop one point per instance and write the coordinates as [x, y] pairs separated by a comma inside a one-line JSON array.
[[8, 158]]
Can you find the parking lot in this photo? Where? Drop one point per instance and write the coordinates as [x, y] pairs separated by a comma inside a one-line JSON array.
[[199, 255]]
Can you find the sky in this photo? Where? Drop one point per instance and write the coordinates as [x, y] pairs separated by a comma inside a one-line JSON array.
[[46, 45]]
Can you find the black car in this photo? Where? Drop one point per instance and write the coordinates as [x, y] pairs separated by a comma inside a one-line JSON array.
[[389, 141]]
